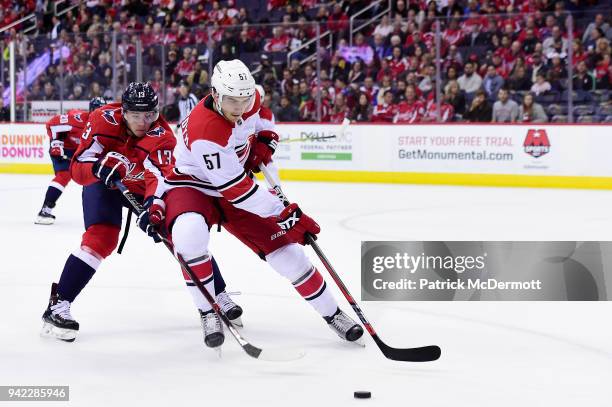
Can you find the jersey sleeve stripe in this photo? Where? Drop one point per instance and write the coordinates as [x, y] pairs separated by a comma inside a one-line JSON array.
[[189, 183], [232, 182], [238, 190], [89, 154], [246, 196], [59, 129]]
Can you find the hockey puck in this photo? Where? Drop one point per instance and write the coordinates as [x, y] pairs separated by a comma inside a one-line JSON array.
[[362, 395]]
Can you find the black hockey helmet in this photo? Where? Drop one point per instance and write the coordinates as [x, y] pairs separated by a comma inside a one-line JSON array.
[[139, 97], [96, 103]]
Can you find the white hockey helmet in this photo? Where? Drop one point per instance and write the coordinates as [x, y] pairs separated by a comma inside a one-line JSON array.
[[232, 78]]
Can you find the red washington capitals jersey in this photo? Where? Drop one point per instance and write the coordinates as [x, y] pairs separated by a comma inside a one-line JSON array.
[[68, 128], [150, 156]]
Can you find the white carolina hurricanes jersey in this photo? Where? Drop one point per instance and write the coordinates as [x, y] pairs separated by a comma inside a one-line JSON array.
[[210, 157]]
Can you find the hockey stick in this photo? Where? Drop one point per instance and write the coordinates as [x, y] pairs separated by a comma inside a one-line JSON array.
[[420, 354], [273, 355]]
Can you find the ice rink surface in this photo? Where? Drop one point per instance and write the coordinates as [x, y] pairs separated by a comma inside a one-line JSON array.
[[141, 343]]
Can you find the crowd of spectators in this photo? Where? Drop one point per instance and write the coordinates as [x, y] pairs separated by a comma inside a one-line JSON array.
[[500, 60]]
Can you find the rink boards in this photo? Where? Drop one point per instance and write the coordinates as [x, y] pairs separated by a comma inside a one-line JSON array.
[[564, 156]]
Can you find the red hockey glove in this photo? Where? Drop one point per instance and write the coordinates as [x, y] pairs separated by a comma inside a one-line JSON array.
[[110, 168], [57, 149], [262, 148], [297, 224], [150, 220]]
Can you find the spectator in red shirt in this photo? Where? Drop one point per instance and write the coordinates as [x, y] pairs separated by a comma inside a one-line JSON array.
[[337, 21], [453, 35], [398, 63], [183, 37], [340, 110], [200, 34], [474, 23], [385, 112], [370, 89], [411, 110], [447, 112], [413, 42], [217, 13], [171, 35], [602, 68], [147, 36], [385, 70], [279, 42], [578, 54], [186, 65], [308, 110], [515, 52]]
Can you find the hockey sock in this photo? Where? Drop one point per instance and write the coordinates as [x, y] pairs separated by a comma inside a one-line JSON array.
[[79, 269], [312, 288], [52, 195], [291, 262], [203, 270]]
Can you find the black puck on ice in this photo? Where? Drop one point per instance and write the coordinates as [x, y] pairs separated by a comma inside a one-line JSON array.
[[362, 395]]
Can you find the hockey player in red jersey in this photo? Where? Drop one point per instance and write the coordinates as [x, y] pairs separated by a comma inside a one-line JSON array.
[[64, 131], [127, 142], [212, 185]]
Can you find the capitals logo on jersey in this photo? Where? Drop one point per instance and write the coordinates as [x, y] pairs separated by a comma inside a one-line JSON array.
[[156, 132], [134, 176], [108, 115], [536, 143]]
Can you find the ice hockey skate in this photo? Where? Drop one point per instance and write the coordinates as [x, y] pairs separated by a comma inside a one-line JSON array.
[[212, 328], [57, 321], [45, 217], [345, 327], [232, 311]]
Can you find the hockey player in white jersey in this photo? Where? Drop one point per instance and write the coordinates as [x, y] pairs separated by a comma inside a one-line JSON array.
[[211, 184]]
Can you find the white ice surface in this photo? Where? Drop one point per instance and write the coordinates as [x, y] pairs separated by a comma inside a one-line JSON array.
[[140, 341]]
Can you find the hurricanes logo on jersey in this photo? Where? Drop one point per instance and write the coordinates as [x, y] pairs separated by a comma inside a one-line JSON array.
[[77, 117], [108, 115], [156, 132], [536, 143]]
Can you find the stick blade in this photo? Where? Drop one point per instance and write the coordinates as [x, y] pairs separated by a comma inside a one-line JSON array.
[[422, 354], [274, 355]]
